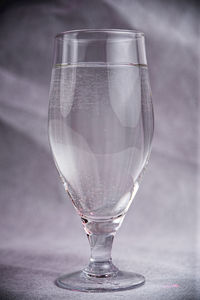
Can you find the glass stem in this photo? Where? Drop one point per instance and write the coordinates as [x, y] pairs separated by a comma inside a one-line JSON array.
[[100, 236], [100, 264], [101, 246]]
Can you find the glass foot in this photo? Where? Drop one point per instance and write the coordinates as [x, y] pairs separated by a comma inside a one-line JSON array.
[[79, 281]]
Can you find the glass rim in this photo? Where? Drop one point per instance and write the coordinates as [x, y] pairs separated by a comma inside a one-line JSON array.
[[132, 32]]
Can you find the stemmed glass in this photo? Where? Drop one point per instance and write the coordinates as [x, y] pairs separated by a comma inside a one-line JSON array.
[[100, 131]]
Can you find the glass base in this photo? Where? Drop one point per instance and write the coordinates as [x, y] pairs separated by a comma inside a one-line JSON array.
[[79, 281]]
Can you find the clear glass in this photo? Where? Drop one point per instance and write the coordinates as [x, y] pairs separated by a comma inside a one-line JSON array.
[[100, 131]]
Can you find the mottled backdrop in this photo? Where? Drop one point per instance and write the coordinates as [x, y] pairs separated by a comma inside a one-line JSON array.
[[40, 234]]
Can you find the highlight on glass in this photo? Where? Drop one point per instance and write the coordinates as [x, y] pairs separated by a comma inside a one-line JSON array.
[[100, 131]]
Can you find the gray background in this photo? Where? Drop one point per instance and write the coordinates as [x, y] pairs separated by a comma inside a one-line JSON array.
[[41, 236]]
